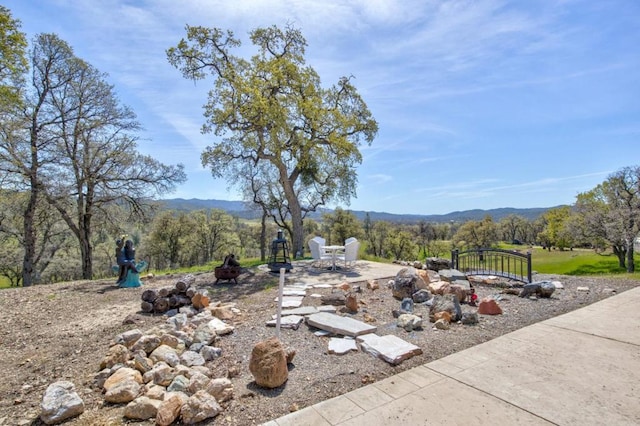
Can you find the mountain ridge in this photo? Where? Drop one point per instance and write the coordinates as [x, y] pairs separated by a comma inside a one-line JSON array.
[[243, 210]]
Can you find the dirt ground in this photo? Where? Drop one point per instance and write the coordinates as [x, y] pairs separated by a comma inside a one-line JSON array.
[[62, 331]]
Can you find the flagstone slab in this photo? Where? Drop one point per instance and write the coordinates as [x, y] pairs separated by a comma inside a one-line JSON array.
[[302, 310], [389, 348], [340, 346], [340, 325], [293, 292], [327, 308], [290, 301], [291, 321]]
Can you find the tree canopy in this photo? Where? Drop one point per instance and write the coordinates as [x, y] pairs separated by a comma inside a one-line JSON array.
[[272, 110]]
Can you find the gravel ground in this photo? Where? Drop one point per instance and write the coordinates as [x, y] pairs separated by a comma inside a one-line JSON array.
[[62, 331]]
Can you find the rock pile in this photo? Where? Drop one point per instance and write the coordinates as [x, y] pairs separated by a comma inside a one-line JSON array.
[[161, 374]]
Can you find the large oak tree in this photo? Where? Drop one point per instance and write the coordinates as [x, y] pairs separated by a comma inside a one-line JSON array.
[[273, 110]]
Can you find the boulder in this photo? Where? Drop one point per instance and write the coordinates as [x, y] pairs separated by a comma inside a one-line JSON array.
[[439, 287], [142, 408], [451, 275], [221, 389], [448, 303], [60, 402], [166, 354], [409, 322], [148, 343], [373, 285], [421, 296], [459, 291], [469, 318], [169, 410], [268, 363], [489, 306], [437, 263], [199, 407], [117, 354], [406, 283]]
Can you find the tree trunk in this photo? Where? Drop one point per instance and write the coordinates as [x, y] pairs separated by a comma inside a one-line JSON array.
[[146, 307], [630, 263], [620, 254], [150, 295], [161, 304], [29, 237], [263, 236]]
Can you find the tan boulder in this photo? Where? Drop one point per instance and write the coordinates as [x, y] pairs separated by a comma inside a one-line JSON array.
[[268, 363], [117, 354], [439, 287], [169, 410], [373, 285]]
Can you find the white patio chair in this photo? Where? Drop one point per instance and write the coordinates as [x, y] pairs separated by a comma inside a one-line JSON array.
[[319, 257], [350, 253]]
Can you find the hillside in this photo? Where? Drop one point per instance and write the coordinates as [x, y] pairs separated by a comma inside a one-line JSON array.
[[241, 209]]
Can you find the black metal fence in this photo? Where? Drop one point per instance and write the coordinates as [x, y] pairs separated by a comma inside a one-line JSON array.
[[488, 261]]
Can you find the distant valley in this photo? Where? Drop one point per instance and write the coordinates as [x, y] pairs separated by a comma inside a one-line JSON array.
[[243, 210]]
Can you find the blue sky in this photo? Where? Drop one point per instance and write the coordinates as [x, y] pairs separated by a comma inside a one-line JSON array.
[[480, 103]]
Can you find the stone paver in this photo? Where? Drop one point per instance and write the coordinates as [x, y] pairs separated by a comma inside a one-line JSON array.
[[339, 325]]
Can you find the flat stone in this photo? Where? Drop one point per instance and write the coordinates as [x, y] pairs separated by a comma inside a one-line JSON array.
[[322, 333], [322, 286], [290, 301], [340, 325], [327, 308], [302, 310], [290, 321], [339, 346], [293, 292], [390, 348]]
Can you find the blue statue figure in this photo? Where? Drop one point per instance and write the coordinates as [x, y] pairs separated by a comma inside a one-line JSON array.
[[129, 271]]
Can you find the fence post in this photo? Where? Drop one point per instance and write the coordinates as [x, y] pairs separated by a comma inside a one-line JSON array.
[[529, 266]]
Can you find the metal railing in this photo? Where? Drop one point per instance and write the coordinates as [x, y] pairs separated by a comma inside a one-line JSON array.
[[488, 261]]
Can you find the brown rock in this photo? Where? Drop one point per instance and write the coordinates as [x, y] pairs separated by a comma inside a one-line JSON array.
[[459, 291], [121, 375], [488, 306], [345, 286], [444, 315], [200, 300], [200, 406], [117, 354], [168, 411], [425, 279], [439, 287], [268, 363], [222, 312], [373, 285], [351, 302]]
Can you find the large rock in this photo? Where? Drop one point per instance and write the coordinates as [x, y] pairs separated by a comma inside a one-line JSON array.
[[221, 389], [142, 408], [447, 303], [409, 322], [148, 343], [406, 282], [488, 306], [439, 287], [199, 407], [60, 402], [169, 410], [437, 263], [165, 354], [117, 354], [268, 363], [128, 338], [451, 275], [121, 375]]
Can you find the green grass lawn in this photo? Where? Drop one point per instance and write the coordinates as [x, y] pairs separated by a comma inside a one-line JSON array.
[[576, 262]]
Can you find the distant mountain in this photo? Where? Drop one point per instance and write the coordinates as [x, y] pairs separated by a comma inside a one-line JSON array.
[[243, 210]]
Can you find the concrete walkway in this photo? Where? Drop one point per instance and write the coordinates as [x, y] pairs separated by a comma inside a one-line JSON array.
[[581, 368]]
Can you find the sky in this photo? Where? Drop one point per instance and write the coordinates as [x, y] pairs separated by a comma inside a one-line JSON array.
[[481, 104]]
